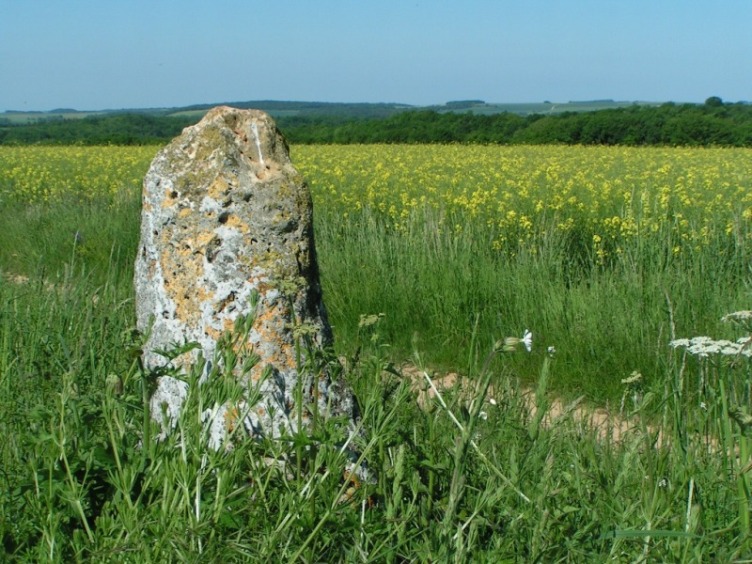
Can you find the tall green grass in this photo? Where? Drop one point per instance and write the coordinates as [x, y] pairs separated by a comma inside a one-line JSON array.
[[439, 289], [460, 479], [93, 235]]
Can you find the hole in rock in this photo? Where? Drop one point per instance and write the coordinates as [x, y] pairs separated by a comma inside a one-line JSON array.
[[212, 248], [223, 217]]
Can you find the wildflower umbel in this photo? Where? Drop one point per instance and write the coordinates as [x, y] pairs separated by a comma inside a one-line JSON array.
[[705, 346]]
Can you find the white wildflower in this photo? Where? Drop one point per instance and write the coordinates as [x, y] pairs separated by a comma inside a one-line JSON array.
[[527, 340], [509, 344], [704, 349], [705, 346]]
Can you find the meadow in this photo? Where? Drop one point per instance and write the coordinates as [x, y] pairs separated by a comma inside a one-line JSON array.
[[432, 258]]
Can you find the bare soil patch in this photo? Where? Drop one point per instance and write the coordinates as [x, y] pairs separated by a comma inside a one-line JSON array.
[[589, 419]]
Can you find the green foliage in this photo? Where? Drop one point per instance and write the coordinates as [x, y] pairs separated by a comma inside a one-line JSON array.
[[461, 478], [456, 478], [42, 241], [714, 102], [711, 124], [118, 129], [440, 289], [686, 125]]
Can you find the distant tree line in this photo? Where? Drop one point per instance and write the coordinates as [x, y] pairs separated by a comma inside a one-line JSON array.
[[669, 124], [711, 124], [116, 129]]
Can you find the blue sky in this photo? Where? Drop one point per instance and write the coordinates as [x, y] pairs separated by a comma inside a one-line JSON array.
[[99, 54]]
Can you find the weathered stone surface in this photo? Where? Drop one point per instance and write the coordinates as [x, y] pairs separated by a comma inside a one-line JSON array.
[[225, 216]]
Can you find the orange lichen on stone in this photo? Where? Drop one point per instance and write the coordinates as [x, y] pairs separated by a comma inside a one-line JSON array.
[[169, 198], [278, 351], [235, 221], [218, 188], [231, 417], [211, 332], [181, 273], [204, 238]]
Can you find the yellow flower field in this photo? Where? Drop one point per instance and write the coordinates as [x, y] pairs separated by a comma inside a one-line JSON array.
[[38, 175], [519, 193]]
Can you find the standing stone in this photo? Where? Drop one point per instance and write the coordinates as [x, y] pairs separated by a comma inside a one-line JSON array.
[[226, 218]]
